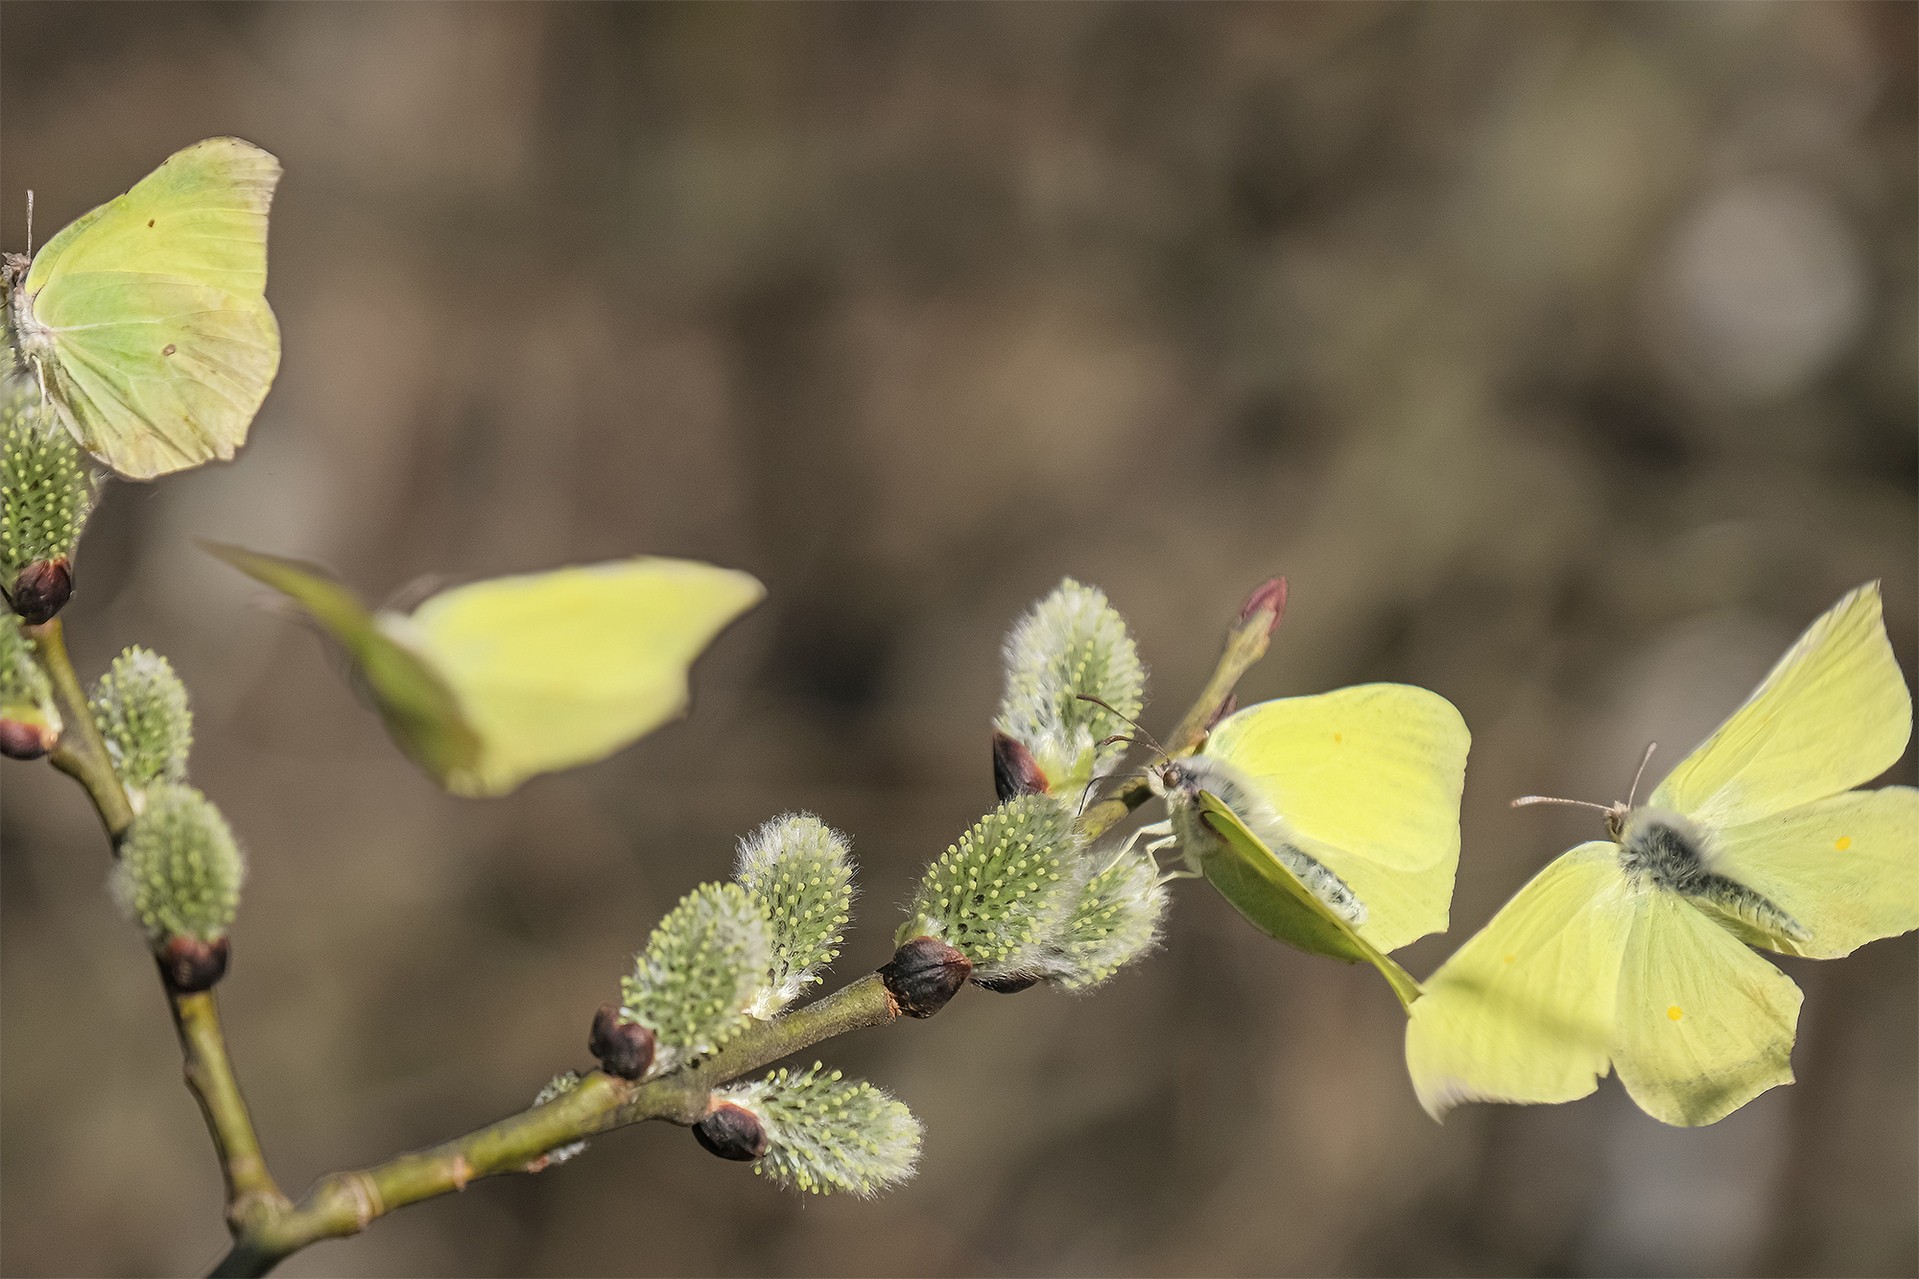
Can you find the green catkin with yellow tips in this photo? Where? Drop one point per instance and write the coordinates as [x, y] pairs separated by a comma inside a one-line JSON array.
[[1114, 921], [827, 1133], [1000, 895], [26, 697], [141, 707], [46, 489], [1073, 642], [180, 869], [701, 970], [800, 871]]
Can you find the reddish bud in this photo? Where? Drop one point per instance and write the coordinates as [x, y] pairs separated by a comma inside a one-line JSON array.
[[1015, 771], [188, 964], [22, 740], [1268, 599], [624, 1048], [923, 974], [1007, 983], [732, 1132], [42, 589]]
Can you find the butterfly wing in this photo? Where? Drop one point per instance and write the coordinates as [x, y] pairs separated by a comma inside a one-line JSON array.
[[421, 710], [1705, 1025], [1845, 868], [563, 668], [1834, 713], [1262, 888], [1371, 776], [1524, 1011], [147, 318]]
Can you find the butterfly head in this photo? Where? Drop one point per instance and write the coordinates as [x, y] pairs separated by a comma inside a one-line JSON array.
[[1619, 813]]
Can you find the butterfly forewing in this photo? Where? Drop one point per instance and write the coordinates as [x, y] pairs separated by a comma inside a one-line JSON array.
[[147, 318], [1524, 1011], [1833, 714]]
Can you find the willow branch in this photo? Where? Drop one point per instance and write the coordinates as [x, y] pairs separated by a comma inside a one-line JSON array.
[[251, 1191], [82, 755], [268, 1228], [345, 1203]]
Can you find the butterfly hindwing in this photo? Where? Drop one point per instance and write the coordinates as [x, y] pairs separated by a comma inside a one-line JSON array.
[[1845, 869], [1273, 899], [1704, 1024]]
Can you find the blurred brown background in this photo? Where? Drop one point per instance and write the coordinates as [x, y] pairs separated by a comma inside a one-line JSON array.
[[1563, 357]]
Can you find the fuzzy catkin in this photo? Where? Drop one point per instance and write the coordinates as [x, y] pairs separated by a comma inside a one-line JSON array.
[[700, 971], [827, 1133]]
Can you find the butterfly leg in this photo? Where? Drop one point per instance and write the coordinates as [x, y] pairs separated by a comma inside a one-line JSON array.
[[1159, 838]]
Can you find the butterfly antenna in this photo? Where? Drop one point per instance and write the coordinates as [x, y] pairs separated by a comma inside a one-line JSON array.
[[1525, 800], [1144, 736], [1633, 794], [29, 221]]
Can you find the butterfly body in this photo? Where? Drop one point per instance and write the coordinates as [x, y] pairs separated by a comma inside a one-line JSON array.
[[1182, 782], [1635, 954]]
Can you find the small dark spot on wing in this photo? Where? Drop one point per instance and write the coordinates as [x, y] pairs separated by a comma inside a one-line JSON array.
[[168, 349], [149, 221]]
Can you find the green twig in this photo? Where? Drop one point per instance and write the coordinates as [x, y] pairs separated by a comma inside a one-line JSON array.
[[345, 1203], [82, 754], [251, 1192], [1245, 644], [82, 751]]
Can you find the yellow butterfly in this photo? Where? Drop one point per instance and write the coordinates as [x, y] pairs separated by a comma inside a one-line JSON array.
[[489, 684], [1632, 952], [1330, 822], [146, 320]]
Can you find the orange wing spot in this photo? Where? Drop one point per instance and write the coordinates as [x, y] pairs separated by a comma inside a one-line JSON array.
[[1841, 844], [1338, 738], [1674, 1012], [1509, 959]]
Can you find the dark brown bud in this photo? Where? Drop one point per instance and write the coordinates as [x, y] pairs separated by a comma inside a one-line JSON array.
[[188, 964], [1268, 599], [1007, 983], [625, 1048], [732, 1132], [42, 589], [22, 740], [1015, 771], [923, 974]]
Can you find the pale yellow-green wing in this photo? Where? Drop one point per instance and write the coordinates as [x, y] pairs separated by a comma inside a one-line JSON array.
[[1705, 1024], [1239, 865], [1846, 869], [563, 668], [420, 709], [1524, 1011], [1371, 776], [147, 319], [1832, 714]]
